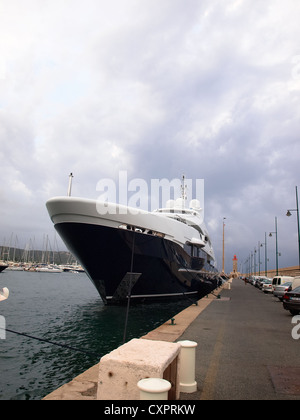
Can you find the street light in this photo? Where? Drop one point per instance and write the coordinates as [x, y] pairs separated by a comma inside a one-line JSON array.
[[289, 214], [223, 256], [276, 245], [266, 256], [259, 246]]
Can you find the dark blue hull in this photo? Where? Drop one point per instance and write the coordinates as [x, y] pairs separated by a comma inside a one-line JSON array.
[[166, 270], [3, 267]]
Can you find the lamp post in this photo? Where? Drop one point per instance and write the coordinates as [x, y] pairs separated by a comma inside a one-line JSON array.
[[276, 245], [247, 268], [289, 214], [223, 256], [266, 256], [249, 265], [258, 247]]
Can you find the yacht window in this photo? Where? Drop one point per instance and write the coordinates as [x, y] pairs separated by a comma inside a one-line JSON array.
[[142, 230]]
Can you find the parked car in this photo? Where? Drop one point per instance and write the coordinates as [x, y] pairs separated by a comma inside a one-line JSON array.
[[278, 280], [291, 301], [295, 283], [262, 281], [258, 281], [267, 286], [281, 290]]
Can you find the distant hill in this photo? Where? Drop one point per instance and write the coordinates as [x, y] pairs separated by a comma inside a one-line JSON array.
[[35, 256]]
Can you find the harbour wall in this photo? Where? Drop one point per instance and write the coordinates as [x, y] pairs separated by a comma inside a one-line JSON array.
[[288, 271]]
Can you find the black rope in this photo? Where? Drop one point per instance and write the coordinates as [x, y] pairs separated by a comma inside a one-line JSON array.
[[50, 342], [129, 291], [194, 302]]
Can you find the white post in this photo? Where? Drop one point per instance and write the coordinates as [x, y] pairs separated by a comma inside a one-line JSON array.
[[2, 328], [154, 389], [187, 366], [4, 293]]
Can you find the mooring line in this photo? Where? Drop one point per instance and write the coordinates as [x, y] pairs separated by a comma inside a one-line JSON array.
[[50, 342]]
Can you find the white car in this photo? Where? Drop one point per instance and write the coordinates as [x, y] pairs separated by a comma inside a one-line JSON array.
[[281, 290], [279, 280], [267, 286]]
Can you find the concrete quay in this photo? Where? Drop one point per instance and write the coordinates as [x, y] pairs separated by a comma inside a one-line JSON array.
[[245, 349], [84, 386]]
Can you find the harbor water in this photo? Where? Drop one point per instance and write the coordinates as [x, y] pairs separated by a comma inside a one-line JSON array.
[[62, 308]]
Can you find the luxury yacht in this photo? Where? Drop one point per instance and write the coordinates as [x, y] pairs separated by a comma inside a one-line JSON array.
[[164, 254]]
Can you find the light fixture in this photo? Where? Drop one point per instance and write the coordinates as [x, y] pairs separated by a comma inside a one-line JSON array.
[[289, 213]]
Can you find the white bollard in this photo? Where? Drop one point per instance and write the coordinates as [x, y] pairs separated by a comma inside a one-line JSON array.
[[4, 293], [154, 389], [187, 366]]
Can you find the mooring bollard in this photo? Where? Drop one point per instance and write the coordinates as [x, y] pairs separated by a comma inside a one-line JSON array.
[[154, 389], [187, 366]]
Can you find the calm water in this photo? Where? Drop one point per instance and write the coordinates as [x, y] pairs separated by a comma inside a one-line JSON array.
[[64, 308]]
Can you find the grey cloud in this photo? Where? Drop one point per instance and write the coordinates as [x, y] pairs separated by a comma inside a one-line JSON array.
[[158, 89]]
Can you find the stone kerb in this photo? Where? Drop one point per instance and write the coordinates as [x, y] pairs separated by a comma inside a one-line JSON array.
[[123, 368]]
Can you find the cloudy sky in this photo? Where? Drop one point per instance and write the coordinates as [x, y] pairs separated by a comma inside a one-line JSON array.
[[157, 88]]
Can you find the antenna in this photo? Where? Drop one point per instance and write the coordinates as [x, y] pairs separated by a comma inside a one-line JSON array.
[[183, 191], [70, 184]]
